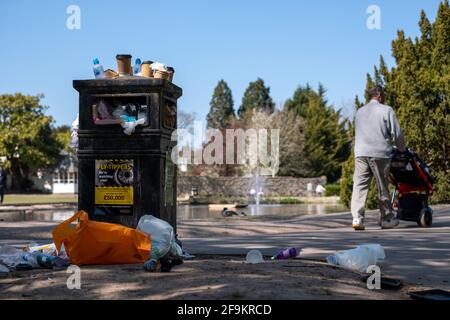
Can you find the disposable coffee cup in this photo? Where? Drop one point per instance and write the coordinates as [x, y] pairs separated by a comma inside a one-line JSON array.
[[160, 74], [124, 65], [171, 72], [110, 74], [146, 69]]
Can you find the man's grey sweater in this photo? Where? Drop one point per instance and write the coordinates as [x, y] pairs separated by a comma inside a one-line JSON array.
[[376, 131]]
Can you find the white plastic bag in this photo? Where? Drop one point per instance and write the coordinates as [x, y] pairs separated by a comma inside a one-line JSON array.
[[130, 126], [359, 258], [161, 234], [158, 66], [162, 237]]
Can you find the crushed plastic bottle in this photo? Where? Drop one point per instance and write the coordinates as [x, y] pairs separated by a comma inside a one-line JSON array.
[[359, 258], [286, 254], [98, 69]]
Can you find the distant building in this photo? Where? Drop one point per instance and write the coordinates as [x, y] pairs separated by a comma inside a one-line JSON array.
[[65, 174], [61, 178]]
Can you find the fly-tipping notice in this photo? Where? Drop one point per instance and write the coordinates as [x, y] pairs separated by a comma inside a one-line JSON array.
[[114, 187]]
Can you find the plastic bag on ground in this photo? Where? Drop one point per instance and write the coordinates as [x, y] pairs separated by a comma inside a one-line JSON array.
[[163, 237], [359, 258], [161, 232], [183, 253], [93, 242]]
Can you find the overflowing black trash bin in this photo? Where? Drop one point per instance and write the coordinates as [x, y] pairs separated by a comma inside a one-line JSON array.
[[124, 149]]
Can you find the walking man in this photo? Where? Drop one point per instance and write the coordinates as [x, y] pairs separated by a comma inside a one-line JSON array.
[[377, 131]]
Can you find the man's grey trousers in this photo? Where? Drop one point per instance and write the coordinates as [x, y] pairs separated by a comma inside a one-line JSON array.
[[365, 169]]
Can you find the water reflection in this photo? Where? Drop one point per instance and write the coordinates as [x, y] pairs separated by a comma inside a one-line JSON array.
[[186, 212], [41, 215], [204, 211]]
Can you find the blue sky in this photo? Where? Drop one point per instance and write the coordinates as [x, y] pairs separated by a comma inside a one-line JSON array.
[[287, 43]]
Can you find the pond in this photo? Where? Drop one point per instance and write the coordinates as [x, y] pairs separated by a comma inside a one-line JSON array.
[[204, 211], [189, 212]]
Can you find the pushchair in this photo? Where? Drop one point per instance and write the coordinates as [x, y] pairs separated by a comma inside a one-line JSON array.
[[413, 186]]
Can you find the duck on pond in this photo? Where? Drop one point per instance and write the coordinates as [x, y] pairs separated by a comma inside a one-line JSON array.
[[228, 213]]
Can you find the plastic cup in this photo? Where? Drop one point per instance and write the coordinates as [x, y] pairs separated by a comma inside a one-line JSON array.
[[124, 65], [254, 257]]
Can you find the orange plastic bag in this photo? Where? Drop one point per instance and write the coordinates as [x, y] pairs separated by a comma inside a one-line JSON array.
[[93, 242]]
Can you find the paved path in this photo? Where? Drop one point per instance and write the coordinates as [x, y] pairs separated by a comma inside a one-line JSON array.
[[415, 254]]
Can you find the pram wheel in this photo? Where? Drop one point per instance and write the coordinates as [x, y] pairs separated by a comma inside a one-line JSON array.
[[425, 218]]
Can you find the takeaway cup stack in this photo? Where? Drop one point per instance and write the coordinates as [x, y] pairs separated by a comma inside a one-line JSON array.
[[148, 69]]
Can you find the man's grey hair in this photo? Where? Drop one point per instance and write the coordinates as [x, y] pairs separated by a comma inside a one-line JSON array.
[[375, 91]]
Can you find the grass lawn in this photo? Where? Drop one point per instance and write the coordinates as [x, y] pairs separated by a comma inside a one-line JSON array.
[[39, 198]]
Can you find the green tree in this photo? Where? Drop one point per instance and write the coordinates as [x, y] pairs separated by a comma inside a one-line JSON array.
[[27, 140], [63, 137], [326, 140], [256, 97], [221, 112], [418, 89]]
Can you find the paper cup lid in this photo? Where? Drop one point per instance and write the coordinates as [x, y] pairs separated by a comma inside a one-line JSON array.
[[123, 56]]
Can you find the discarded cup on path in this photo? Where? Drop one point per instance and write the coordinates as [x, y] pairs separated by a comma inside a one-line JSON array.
[[286, 254], [254, 257], [359, 258]]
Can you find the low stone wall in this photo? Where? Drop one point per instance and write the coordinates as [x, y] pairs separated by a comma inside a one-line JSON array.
[[241, 186]]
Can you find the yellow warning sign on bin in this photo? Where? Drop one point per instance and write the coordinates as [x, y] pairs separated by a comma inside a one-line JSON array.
[[114, 195]]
